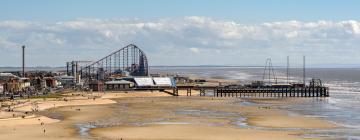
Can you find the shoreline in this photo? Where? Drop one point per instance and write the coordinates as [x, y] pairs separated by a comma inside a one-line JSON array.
[[82, 110]]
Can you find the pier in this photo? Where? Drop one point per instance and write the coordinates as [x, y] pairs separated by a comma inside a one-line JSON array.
[[273, 92], [256, 92]]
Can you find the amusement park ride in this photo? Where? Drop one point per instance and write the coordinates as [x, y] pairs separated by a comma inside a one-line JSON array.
[[128, 61]]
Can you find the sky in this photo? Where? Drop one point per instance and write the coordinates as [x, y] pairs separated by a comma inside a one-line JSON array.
[[182, 32]]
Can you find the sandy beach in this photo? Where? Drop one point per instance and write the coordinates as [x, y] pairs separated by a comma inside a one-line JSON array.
[[194, 132], [152, 115]]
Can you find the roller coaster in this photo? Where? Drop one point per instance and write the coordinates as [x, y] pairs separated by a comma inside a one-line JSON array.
[[129, 60]]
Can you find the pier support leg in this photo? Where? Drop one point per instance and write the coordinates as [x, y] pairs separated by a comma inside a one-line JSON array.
[[188, 92], [202, 92], [175, 92]]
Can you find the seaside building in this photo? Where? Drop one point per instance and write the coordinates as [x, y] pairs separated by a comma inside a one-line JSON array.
[[118, 85], [1, 88], [24, 83], [96, 86], [36, 82], [12, 83], [66, 81], [12, 86], [7, 76], [51, 82]]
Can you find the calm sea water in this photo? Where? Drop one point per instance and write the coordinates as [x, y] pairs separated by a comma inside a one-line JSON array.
[[342, 107]]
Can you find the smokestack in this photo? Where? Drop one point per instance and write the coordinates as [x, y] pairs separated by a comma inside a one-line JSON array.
[[23, 61]]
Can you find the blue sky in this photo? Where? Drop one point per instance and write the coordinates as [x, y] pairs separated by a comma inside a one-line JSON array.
[[247, 11], [182, 32]]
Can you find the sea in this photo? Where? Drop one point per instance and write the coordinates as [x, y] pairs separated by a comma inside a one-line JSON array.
[[341, 108]]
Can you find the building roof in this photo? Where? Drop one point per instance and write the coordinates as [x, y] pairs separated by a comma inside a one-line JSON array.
[[162, 81], [144, 81], [7, 75], [65, 77]]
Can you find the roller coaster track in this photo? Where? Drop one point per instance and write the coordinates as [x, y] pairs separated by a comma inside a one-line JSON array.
[[128, 60]]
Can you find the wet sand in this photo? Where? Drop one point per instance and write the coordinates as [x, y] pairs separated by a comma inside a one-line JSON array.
[[201, 117], [155, 115], [193, 132]]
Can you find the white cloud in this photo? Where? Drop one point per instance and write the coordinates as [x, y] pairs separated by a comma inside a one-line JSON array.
[[195, 50], [220, 42]]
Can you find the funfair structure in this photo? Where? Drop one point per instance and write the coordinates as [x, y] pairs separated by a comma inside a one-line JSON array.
[[129, 61]]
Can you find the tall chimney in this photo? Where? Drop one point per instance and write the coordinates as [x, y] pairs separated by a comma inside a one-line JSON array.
[[23, 61]]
